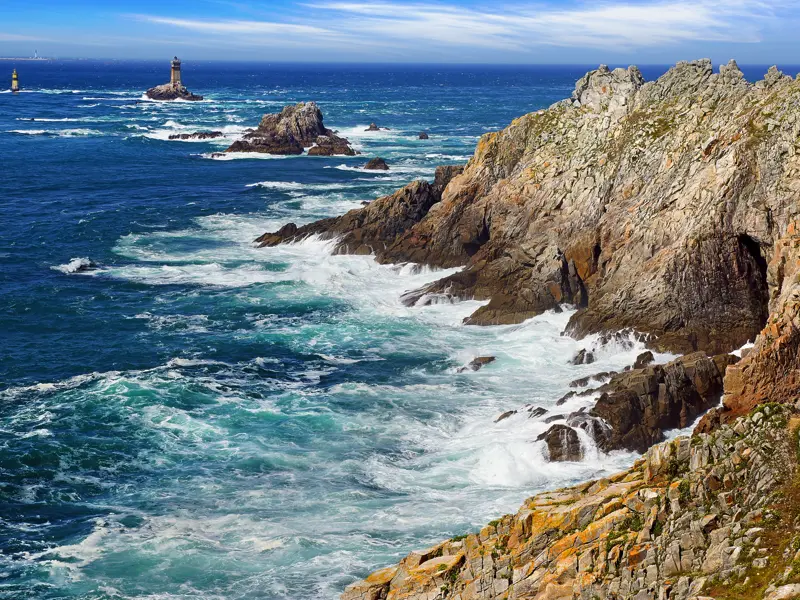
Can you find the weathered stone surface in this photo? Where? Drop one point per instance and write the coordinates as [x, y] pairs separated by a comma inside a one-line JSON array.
[[291, 131], [641, 404], [423, 135], [646, 533], [563, 443], [374, 228], [376, 164], [171, 91], [771, 370], [650, 206]]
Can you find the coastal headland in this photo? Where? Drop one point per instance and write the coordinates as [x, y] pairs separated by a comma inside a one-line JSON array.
[[666, 208]]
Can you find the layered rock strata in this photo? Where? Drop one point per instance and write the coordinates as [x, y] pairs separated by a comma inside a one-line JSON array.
[[293, 130], [652, 206], [708, 516]]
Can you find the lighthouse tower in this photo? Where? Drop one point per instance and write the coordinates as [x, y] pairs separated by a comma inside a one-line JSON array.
[[14, 81], [175, 74]]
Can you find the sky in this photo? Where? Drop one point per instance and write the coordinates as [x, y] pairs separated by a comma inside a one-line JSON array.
[[447, 31]]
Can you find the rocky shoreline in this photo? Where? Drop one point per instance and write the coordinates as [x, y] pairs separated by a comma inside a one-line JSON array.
[[666, 208], [713, 516]]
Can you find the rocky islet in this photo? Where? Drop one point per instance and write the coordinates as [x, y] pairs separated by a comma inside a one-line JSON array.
[[296, 129]]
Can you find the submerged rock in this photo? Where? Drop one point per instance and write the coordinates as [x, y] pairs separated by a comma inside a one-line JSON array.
[[423, 135], [582, 357], [563, 443], [376, 164], [171, 91], [477, 363], [199, 135], [291, 131]]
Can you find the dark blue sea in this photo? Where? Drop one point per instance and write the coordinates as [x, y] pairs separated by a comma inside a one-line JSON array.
[[199, 418]]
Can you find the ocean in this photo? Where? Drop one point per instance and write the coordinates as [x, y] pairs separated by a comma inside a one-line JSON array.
[[199, 418]]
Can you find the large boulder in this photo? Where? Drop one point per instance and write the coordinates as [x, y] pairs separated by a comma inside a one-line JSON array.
[[171, 91], [376, 164], [563, 443], [638, 406], [291, 131]]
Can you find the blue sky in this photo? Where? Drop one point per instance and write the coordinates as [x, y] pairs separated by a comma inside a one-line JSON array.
[[546, 31]]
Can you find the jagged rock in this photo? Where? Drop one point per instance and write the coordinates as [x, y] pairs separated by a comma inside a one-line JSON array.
[[372, 127], [644, 359], [423, 135], [199, 135], [505, 415], [171, 91], [646, 533], [376, 164], [291, 131], [582, 357], [619, 201], [639, 405], [536, 412], [477, 363], [375, 227], [563, 443]]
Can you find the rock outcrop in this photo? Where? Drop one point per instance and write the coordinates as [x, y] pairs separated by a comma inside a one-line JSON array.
[[563, 443], [171, 91], [374, 228], [376, 164], [291, 131], [648, 205], [712, 516], [423, 135], [636, 407]]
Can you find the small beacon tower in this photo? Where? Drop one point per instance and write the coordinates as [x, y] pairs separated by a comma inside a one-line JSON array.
[[14, 81], [175, 72]]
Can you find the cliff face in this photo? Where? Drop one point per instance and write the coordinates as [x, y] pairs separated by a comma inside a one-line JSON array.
[[653, 206], [650, 205], [710, 516]]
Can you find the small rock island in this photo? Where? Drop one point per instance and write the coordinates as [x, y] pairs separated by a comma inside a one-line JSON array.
[[174, 90], [291, 131]]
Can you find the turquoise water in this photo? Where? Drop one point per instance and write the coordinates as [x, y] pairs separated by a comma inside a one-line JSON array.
[[198, 418]]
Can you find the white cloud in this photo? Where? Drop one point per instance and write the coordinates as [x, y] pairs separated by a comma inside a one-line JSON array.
[[519, 28]]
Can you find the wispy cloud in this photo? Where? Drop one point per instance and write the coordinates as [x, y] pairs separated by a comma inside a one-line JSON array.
[[520, 28], [13, 37]]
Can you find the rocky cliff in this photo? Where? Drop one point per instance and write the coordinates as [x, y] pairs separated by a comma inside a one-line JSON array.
[[711, 516], [653, 206], [291, 131]]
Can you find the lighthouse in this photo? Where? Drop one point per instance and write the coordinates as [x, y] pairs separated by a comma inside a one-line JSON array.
[[14, 81], [175, 73]]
